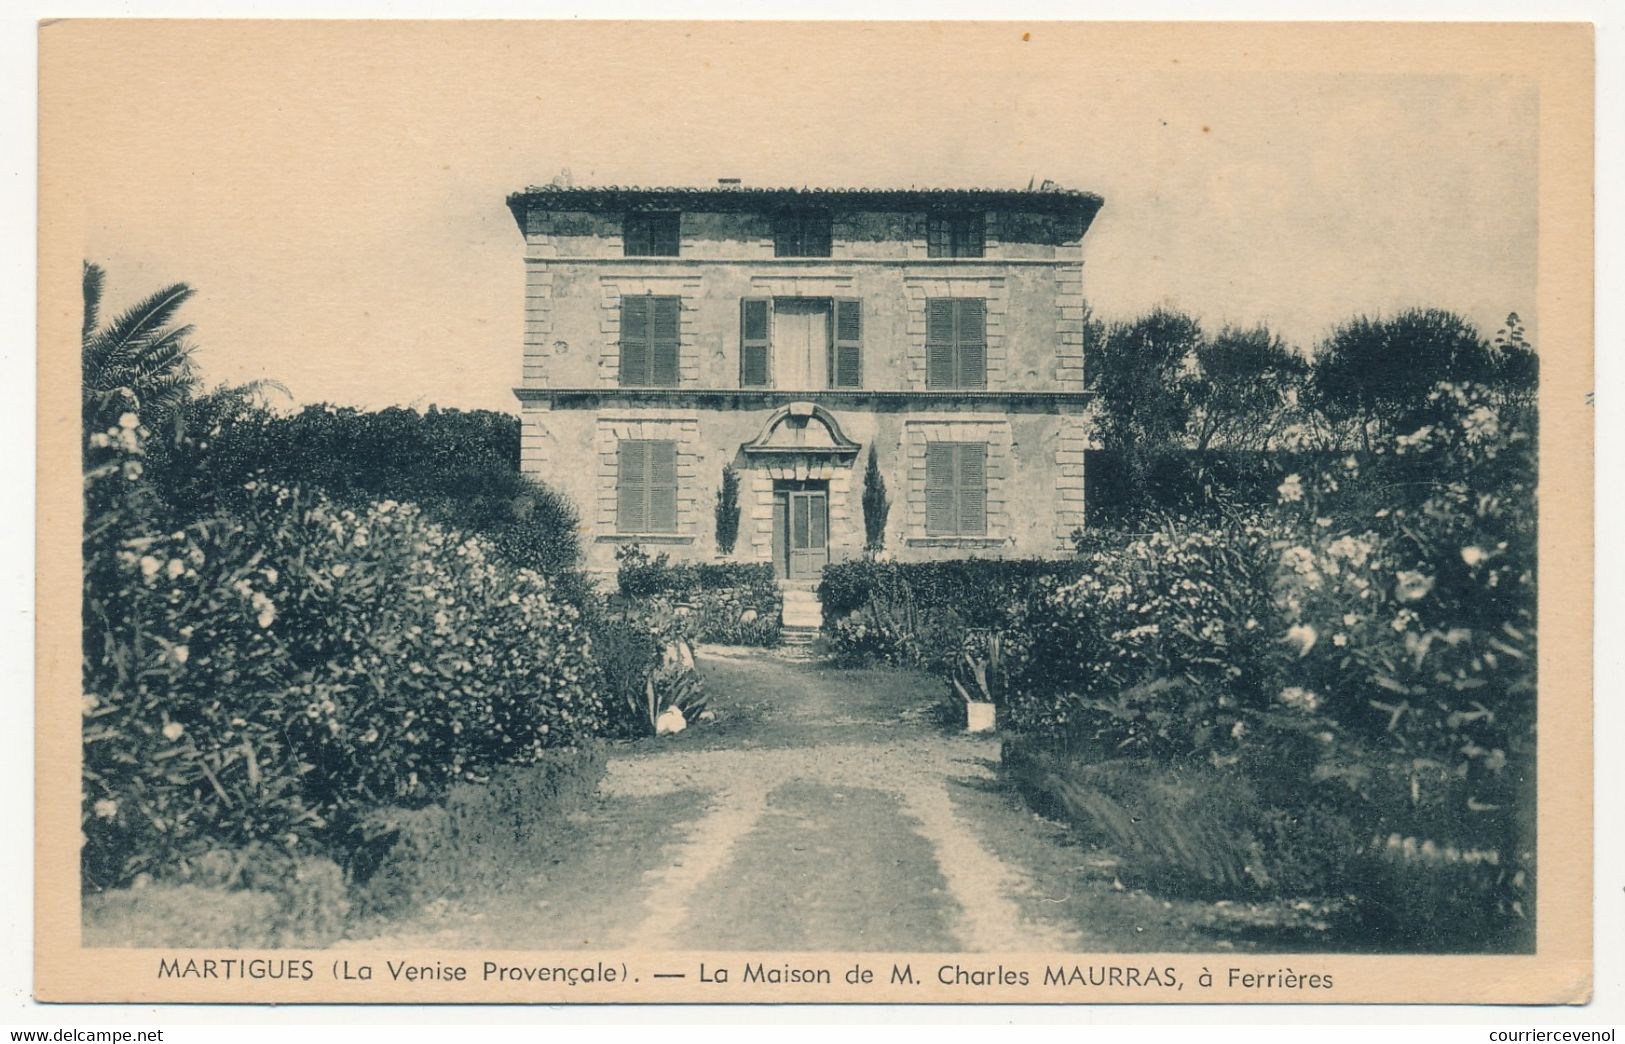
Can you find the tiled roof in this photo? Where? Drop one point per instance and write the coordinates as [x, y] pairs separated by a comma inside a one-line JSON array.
[[750, 197]]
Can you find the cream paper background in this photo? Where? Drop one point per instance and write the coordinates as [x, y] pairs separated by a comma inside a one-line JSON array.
[[74, 134]]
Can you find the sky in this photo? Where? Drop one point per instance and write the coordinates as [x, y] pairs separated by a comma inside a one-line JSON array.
[[336, 193]]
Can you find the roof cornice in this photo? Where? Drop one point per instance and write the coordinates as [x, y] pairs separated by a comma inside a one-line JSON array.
[[738, 197]]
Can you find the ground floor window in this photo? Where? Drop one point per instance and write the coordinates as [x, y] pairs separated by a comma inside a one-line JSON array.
[[956, 489], [646, 486]]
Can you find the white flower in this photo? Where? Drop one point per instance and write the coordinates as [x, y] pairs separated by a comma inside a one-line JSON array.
[[128, 421], [181, 653], [1340, 639], [340, 569], [1349, 619], [1301, 637], [174, 731], [1481, 425], [270, 574], [175, 568], [106, 808], [1300, 560], [1291, 490], [149, 566], [1472, 555], [1238, 730], [132, 470], [1300, 699], [1411, 586]]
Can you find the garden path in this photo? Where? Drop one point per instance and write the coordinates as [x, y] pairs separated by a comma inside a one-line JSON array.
[[821, 810]]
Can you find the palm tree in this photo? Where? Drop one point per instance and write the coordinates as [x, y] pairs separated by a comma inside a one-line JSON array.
[[138, 360]]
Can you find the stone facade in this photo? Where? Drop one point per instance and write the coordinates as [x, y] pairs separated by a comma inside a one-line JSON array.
[[800, 432]]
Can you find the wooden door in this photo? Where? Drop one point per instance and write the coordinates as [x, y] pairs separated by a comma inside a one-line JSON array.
[[807, 532]]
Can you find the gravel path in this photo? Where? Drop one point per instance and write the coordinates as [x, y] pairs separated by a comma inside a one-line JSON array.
[[821, 810]]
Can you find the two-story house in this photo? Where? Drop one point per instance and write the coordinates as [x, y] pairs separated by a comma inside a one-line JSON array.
[[786, 332]]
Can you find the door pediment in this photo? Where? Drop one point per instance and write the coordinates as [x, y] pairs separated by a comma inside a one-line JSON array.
[[804, 429]]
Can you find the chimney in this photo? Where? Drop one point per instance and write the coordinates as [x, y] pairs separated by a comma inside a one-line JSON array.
[[727, 181]]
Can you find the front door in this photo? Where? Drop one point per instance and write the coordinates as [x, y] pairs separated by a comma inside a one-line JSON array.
[[801, 528]]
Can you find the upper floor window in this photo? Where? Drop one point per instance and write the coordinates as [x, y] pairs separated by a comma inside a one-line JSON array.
[[955, 342], [955, 235], [646, 486], [800, 342], [801, 233], [955, 489], [650, 335], [651, 234]]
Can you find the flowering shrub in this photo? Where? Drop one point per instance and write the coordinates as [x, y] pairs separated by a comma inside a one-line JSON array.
[[731, 603], [268, 676], [1376, 661], [1157, 648], [1418, 632]]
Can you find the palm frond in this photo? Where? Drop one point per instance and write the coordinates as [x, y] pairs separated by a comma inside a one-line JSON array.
[[142, 321]]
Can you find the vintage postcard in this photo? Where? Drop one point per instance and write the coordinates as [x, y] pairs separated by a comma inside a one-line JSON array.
[[572, 512]]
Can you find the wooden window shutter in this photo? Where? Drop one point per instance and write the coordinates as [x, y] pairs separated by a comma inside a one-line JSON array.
[[755, 320], [972, 488], [668, 238], [820, 234], [635, 340], [939, 343], [941, 481], [662, 487], [972, 235], [635, 235], [936, 237], [784, 234], [646, 487], [848, 369], [666, 326], [632, 488], [971, 337]]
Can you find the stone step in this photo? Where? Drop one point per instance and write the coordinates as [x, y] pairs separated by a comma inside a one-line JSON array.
[[800, 597], [798, 635]]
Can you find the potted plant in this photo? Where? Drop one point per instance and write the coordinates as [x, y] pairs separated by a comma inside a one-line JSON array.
[[980, 680]]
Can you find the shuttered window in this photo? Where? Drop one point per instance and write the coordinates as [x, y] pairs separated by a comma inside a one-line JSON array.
[[651, 234], [650, 330], [801, 233], [955, 342], [755, 345], [955, 235], [646, 487], [846, 346], [955, 489]]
